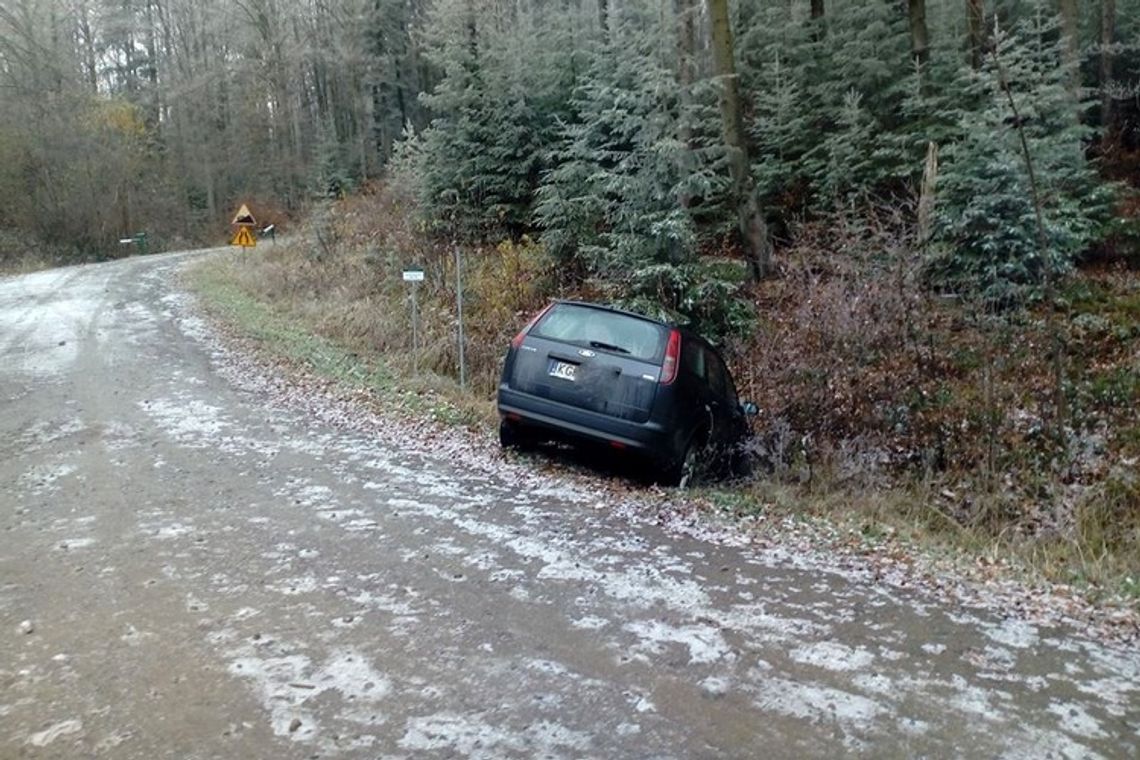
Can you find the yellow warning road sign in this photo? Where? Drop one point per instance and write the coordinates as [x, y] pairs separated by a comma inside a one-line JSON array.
[[243, 216], [244, 238]]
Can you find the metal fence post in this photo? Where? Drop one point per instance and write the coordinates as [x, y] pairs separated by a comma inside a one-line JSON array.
[[414, 277], [415, 333], [459, 304]]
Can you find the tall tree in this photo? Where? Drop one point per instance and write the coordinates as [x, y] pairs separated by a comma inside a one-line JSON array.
[[1107, 40], [976, 31], [750, 219], [817, 16], [1071, 29], [919, 34], [686, 77]]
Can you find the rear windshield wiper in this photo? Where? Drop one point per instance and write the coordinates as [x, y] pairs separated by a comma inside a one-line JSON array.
[[608, 347]]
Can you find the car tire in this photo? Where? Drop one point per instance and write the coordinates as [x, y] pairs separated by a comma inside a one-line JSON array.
[[690, 469]]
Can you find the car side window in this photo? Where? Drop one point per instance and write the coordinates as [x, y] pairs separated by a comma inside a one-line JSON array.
[[718, 374], [730, 389], [693, 358]]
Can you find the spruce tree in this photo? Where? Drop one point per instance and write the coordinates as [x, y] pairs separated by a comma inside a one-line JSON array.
[[611, 205], [985, 217], [486, 139]]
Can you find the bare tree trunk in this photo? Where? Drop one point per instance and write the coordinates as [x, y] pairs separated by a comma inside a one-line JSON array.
[[687, 41], [753, 229], [1107, 36], [686, 76], [153, 105], [1070, 26], [400, 86], [819, 30], [87, 40], [919, 36], [360, 110], [976, 30]]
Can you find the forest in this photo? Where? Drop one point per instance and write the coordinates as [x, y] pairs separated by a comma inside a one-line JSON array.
[[631, 136], [912, 225]]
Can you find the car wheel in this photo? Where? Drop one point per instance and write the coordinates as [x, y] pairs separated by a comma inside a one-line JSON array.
[[691, 468]]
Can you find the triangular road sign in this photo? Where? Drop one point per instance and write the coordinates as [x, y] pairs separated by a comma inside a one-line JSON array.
[[244, 216], [244, 238]]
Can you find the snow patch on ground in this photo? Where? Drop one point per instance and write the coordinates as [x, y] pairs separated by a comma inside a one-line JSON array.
[[46, 432], [473, 737], [716, 686], [590, 623], [1012, 633], [853, 715], [831, 655], [289, 686], [705, 643], [1075, 719], [41, 479], [43, 315], [165, 531], [75, 543], [192, 422], [49, 735]]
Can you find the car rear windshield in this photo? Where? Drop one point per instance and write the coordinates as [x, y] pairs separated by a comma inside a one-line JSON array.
[[603, 330]]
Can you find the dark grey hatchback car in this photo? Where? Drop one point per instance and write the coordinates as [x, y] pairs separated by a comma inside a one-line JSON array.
[[586, 372]]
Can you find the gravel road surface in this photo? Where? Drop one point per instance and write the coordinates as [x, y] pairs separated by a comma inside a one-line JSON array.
[[192, 568]]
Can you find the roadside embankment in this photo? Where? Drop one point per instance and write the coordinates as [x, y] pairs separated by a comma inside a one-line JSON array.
[[342, 321]]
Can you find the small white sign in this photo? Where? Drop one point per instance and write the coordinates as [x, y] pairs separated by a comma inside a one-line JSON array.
[[413, 275]]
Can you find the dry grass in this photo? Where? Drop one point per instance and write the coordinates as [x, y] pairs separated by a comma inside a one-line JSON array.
[[342, 280], [20, 255], [882, 407]]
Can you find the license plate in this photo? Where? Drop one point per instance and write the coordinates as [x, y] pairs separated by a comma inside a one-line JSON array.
[[564, 370]]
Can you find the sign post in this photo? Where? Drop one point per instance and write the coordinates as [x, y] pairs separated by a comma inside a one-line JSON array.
[[138, 240], [415, 276]]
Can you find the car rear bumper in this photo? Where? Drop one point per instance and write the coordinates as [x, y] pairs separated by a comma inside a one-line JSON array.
[[564, 420]]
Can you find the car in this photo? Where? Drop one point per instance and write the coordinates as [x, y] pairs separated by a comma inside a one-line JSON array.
[[586, 372]]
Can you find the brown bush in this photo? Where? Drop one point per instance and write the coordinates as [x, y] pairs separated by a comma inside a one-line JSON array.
[[861, 373]]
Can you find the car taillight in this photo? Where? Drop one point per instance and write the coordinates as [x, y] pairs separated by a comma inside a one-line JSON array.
[[672, 358], [518, 339]]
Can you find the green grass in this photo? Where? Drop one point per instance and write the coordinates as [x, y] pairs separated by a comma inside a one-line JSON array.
[[280, 335]]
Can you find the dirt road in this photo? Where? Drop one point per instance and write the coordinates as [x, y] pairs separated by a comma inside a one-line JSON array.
[[189, 569]]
